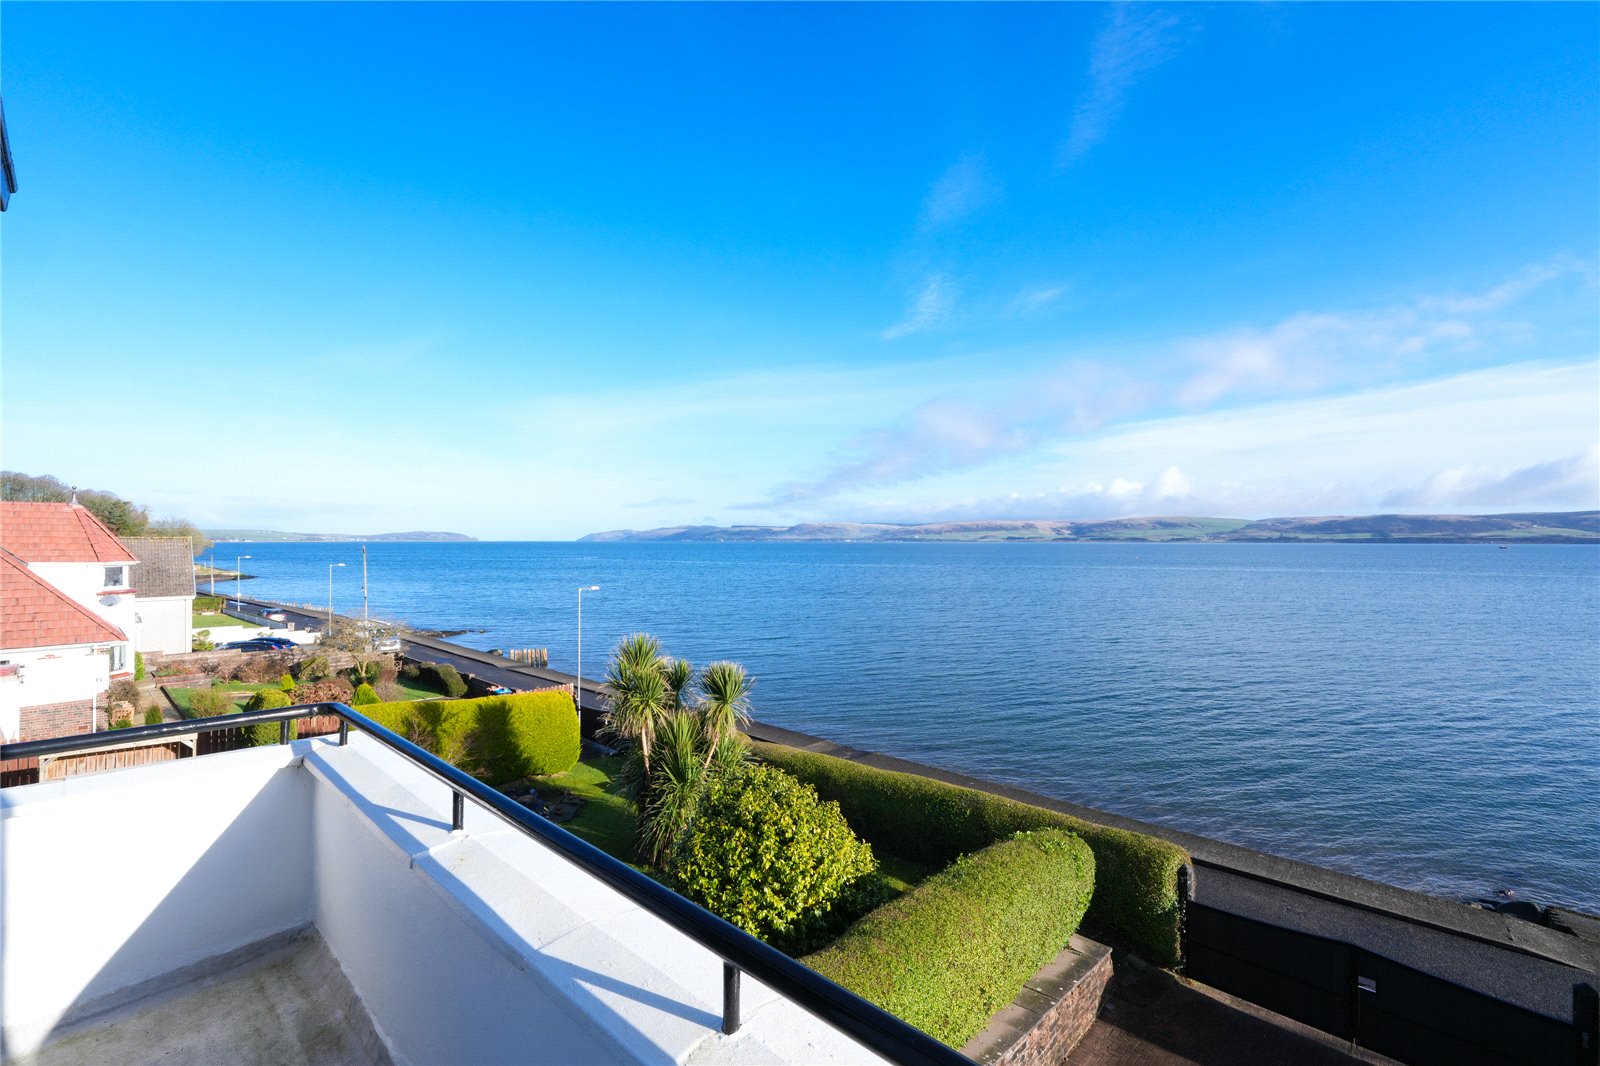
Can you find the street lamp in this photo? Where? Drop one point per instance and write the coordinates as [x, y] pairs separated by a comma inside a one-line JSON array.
[[330, 594], [238, 580], [577, 689], [213, 573]]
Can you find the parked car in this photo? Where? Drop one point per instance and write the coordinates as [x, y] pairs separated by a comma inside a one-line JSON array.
[[282, 643], [274, 614], [389, 644], [258, 644]]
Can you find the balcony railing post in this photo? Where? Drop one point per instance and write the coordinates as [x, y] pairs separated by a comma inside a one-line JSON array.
[[344, 732], [283, 731], [458, 810], [730, 998]]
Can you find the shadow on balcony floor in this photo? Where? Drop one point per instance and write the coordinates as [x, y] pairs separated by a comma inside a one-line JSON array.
[[290, 1004]]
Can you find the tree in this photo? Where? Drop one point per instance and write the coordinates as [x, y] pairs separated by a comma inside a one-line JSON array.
[[122, 517], [179, 527], [724, 702], [361, 640], [684, 731]]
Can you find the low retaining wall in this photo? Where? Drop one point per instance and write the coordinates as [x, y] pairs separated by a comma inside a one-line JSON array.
[[1051, 1014]]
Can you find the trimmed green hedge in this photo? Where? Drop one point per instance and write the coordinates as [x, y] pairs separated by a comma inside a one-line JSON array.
[[269, 733], [1137, 901], [951, 953], [496, 738]]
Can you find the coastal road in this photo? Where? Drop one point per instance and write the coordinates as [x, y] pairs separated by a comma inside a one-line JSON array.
[[495, 669]]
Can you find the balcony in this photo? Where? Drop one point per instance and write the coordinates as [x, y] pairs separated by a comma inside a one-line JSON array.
[[350, 898]]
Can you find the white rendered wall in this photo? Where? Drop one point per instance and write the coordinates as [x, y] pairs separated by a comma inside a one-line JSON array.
[[51, 675], [163, 623], [109, 880], [484, 946], [84, 582]]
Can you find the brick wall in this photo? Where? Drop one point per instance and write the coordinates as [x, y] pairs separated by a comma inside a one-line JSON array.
[[1055, 1008], [61, 719]]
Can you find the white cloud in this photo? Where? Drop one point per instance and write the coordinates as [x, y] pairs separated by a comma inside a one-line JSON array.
[[1573, 478], [1034, 298], [928, 310], [1134, 40], [996, 416], [964, 189]]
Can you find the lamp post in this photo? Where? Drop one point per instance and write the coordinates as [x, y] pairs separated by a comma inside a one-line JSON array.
[[238, 580], [330, 594], [213, 573], [577, 689]]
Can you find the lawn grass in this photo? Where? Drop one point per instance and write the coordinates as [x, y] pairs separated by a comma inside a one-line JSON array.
[[181, 697], [606, 820], [214, 621], [416, 691]]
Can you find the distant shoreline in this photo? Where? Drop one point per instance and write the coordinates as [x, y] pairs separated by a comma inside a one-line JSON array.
[[1568, 527]]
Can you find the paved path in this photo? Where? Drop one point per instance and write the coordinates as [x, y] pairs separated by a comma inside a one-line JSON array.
[[1151, 1018]]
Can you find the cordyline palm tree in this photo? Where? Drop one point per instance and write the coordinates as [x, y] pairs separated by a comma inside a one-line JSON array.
[[724, 702], [686, 760], [677, 673], [639, 698], [686, 731]]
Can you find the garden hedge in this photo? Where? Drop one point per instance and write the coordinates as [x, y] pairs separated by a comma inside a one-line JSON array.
[[496, 738], [1137, 902], [951, 953]]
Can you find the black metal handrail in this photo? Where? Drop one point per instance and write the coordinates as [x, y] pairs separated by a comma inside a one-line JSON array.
[[740, 952]]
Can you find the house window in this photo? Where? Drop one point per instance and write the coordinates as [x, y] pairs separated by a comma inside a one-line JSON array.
[[119, 658], [115, 576]]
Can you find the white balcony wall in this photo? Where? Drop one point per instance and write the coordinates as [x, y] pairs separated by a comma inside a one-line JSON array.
[[482, 946], [109, 882]]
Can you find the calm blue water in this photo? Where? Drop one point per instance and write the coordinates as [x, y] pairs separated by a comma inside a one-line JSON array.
[[1426, 715]]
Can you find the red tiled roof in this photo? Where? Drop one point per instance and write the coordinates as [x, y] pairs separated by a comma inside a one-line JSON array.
[[36, 614], [58, 533]]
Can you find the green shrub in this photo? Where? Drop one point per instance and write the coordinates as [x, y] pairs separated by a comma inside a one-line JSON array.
[[121, 723], [286, 682], [766, 854], [365, 695], [207, 604], [951, 953], [311, 669], [1137, 903], [497, 738], [442, 677], [209, 702], [153, 716], [202, 641], [265, 733], [138, 666]]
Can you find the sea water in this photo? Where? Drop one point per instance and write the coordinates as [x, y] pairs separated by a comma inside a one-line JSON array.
[[1425, 715]]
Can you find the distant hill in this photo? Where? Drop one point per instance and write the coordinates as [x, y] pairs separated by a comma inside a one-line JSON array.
[[1565, 527], [224, 536]]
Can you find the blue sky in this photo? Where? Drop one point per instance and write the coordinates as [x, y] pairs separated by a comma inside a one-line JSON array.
[[528, 272]]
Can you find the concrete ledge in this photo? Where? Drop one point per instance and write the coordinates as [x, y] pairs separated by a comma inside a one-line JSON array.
[[1055, 1008]]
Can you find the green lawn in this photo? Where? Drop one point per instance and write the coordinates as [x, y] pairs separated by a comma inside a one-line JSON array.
[[215, 621], [415, 691], [606, 820], [182, 696]]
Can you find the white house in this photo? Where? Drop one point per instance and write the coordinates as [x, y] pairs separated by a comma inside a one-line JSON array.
[[163, 584], [66, 613]]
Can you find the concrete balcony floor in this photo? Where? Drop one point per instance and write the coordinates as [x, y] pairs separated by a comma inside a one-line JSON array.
[[285, 1003]]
